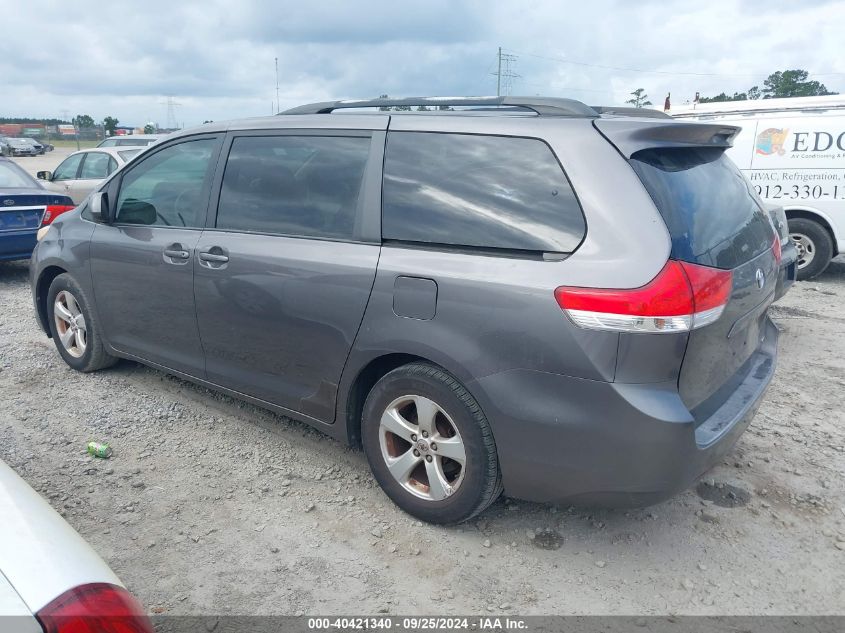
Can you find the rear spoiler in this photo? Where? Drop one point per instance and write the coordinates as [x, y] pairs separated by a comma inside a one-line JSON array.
[[642, 113], [631, 136]]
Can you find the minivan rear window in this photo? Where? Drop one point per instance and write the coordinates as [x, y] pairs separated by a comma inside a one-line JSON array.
[[470, 190], [713, 216]]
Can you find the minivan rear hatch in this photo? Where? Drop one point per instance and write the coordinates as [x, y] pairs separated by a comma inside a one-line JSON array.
[[716, 220]]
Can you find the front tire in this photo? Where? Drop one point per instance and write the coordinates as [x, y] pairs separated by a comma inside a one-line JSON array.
[[74, 328], [815, 248], [429, 445]]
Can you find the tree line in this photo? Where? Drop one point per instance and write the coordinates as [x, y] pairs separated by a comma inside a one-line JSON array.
[[780, 84], [81, 121]]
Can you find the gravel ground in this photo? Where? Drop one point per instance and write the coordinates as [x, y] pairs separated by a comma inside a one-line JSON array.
[[210, 505]]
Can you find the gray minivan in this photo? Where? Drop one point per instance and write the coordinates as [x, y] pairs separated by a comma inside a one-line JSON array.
[[518, 294]]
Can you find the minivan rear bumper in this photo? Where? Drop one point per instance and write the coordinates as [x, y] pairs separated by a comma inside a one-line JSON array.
[[565, 439]]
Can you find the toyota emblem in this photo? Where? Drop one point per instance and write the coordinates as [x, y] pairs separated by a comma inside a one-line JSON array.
[[761, 279]]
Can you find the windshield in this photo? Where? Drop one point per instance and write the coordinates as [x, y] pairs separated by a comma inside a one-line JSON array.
[[127, 141], [12, 177]]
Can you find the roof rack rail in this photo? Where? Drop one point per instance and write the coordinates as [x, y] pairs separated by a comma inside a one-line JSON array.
[[543, 106], [645, 113]]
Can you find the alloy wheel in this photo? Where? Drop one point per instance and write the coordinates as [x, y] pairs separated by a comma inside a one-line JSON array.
[[70, 324], [422, 447]]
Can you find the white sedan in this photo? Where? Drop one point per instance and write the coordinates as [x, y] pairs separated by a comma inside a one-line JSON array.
[[51, 581], [81, 172]]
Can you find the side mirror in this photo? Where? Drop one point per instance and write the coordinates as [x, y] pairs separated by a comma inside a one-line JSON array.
[[99, 206], [44, 175]]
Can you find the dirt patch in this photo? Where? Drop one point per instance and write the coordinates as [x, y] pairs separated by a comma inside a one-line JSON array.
[[722, 494], [213, 506], [547, 539]]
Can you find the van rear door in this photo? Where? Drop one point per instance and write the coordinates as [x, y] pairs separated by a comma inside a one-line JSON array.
[[716, 220]]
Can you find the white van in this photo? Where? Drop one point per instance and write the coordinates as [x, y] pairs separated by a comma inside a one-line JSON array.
[[793, 152]]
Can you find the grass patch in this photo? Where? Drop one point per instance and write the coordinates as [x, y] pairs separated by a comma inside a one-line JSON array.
[[71, 143]]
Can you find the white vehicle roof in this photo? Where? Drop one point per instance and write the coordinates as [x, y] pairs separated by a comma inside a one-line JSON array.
[[41, 556], [147, 138], [116, 152], [829, 103]]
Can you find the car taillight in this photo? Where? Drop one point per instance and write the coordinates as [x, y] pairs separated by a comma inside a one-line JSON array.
[[682, 297], [94, 608], [53, 211], [777, 249]]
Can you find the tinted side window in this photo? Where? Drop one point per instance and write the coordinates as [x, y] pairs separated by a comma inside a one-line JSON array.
[[96, 165], [293, 185], [485, 191], [67, 170], [165, 189]]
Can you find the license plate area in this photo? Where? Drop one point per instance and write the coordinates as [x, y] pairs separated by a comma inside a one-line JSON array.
[[20, 219], [747, 333]]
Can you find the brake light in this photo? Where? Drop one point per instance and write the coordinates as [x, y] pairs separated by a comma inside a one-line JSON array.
[[778, 250], [680, 298], [53, 211], [94, 608]]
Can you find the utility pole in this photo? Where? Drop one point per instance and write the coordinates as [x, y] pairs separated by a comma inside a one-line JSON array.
[[505, 59], [171, 104], [499, 75], [278, 107]]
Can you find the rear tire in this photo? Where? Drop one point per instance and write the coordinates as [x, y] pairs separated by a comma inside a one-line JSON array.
[[415, 420], [815, 247], [74, 328]]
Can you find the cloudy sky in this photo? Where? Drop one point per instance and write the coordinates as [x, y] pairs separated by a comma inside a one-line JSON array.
[[216, 57]]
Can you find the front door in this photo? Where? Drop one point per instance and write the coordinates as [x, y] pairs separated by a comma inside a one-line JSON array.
[[143, 263], [283, 278], [96, 167], [66, 175]]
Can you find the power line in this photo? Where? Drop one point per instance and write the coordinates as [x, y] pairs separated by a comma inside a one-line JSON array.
[[545, 86], [656, 72]]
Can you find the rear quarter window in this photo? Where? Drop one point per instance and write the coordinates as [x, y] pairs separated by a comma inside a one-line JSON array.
[[478, 191], [712, 213]]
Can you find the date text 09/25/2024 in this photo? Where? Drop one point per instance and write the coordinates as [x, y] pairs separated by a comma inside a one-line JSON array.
[[419, 623]]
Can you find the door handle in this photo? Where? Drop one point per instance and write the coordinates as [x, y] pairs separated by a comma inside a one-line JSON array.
[[176, 254], [213, 257]]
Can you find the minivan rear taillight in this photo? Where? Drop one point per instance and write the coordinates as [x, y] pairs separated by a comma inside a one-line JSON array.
[[777, 249], [53, 211], [682, 297], [94, 608]]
